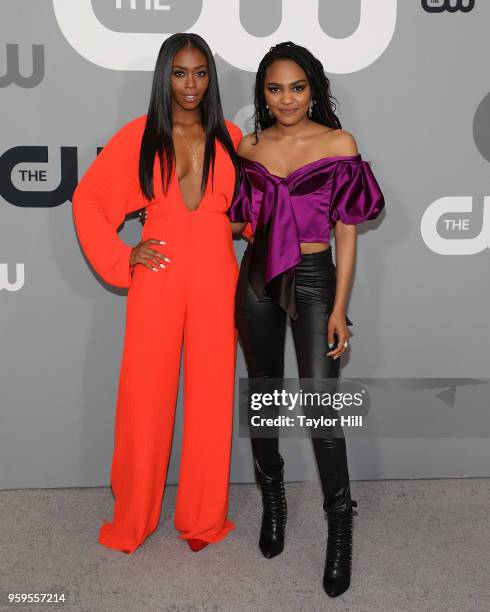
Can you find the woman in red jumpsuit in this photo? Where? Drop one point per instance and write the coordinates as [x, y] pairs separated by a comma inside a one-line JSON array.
[[178, 161]]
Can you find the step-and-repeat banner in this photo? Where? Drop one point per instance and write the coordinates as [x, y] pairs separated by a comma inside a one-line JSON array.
[[411, 80]]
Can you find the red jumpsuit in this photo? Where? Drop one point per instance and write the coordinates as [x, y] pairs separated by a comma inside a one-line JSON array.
[[190, 303]]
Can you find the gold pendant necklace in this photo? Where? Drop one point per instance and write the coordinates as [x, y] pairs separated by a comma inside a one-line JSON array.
[[193, 152]]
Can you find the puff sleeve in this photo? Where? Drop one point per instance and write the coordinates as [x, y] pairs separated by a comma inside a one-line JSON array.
[[234, 210], [101, 202], [356, 195], [240, 209]]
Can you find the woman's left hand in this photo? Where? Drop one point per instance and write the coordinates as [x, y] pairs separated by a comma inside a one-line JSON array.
[[337, 327]]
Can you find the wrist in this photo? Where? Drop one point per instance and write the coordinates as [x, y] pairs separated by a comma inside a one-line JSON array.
[[338, 309]]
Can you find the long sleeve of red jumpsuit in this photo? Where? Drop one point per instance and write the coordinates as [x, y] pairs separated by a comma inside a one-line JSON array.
[[107, 192]]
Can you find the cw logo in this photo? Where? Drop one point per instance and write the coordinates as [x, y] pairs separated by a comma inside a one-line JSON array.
[[28, 198], [219, 23], [13, 75], [455, 246], [4, 277], [437, 6]]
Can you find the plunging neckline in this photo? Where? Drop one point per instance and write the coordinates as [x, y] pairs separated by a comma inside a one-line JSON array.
[[181, 197], [316, 161]]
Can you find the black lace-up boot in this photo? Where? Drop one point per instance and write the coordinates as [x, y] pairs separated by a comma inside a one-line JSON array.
[[338, 563], [274, 512]]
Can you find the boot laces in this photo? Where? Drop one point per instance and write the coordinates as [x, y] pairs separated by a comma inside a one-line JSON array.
[[274, 503], [339, 542]]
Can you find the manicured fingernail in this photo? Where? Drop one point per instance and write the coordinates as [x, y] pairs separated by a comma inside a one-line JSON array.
[[330, 344], [161, 242], [336, 357], [155, 269], [162, 266], [166, 259]]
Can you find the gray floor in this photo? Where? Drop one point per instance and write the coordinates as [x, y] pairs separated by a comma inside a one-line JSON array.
[[418, 545]]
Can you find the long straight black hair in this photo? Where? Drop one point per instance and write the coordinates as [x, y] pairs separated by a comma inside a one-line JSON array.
[[323, 110], [157, 136]]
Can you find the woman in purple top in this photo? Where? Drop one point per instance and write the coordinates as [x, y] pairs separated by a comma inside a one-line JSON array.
[[302, 176]]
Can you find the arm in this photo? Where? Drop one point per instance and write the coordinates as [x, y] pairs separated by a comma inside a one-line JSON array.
[[237, 138], [356, 197], [245, 229], [237, 228], [345, 255], [100, 204]]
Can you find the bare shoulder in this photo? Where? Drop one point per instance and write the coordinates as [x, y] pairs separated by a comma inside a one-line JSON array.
[[342, 142], [247, 146]]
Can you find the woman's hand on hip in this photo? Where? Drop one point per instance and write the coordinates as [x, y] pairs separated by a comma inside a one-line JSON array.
[[337, 328], [142, 253]]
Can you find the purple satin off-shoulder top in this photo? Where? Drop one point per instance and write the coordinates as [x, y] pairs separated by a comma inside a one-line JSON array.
[[301, 207]]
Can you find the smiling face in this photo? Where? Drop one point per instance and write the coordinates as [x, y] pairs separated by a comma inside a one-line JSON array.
[[189, 78], [287, 91]]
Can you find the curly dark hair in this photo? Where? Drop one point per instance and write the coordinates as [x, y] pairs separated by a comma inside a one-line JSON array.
[[324, 108]]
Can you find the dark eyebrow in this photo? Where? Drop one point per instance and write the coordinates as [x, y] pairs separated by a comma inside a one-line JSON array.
[[184, 68], [293, 83]]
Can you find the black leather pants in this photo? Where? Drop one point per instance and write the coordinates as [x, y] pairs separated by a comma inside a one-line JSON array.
[[261, 327]]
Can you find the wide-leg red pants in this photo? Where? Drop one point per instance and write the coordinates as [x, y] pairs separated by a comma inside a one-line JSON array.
[[189, 304]]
